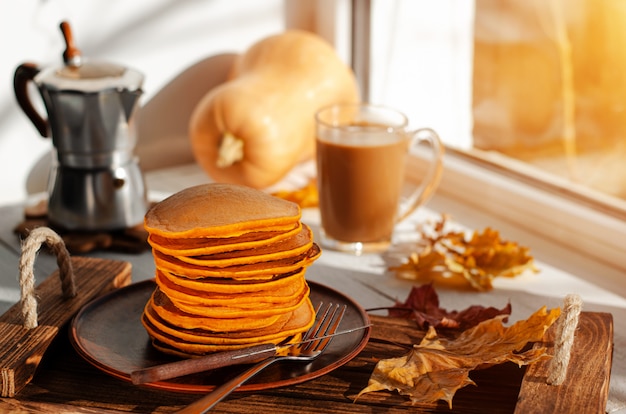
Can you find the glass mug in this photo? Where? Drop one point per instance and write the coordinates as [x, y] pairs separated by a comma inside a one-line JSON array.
[[362, 152]]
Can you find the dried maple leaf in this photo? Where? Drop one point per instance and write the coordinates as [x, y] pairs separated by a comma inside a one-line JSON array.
[[306, 196], [422, 305], [449, 258], [436, 368]]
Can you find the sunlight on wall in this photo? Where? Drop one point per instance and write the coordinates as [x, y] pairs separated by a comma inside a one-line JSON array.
[[159, 38]]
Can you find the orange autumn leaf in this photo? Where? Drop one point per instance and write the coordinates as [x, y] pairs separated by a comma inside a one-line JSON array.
[[449, 258], [437, 367], [306, 196]]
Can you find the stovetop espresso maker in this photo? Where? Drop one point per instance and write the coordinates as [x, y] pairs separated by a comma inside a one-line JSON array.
[[95, 182]]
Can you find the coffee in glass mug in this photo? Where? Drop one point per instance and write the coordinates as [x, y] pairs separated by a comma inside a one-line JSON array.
[[362, 152]]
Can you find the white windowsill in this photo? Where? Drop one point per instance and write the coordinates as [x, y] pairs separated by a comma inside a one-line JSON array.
[[568, 228]]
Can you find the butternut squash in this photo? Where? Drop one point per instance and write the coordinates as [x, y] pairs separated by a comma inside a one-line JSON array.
[[255, 127]]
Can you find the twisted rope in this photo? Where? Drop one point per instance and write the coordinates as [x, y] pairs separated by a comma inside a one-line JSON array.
[[564, 339], [30, 247]]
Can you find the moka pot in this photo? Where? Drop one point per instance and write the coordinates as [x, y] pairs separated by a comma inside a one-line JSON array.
[[95, 182]]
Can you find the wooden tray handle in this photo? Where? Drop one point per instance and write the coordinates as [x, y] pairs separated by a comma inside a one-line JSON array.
[[30, 247]]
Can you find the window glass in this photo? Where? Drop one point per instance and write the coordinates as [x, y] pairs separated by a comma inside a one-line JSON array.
[[541, 83], [421, 63]]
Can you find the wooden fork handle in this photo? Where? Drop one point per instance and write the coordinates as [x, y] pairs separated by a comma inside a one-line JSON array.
[[205, 363], [207, 402]]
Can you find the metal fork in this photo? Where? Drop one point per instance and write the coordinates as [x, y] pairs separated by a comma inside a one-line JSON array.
[[326, 323]]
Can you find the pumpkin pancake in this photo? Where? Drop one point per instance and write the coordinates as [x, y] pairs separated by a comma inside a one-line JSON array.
[[258, 271], [235, 308], [162, 306], [199, 342], [204, 245], [293, 246], [178, 353], [244, 309], [230, 286], [219, 210], [264, 296], [295, 319]]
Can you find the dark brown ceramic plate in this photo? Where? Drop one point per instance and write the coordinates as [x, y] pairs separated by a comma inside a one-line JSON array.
[[108, 334]]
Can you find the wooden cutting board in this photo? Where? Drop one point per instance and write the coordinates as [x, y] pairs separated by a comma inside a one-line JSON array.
[[66, 383]]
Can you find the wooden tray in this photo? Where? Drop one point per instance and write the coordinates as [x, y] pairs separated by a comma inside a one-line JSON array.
[[21, 349], [67, 383]]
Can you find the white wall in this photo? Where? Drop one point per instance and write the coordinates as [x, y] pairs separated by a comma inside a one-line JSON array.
[[157, 37], [421, 59]]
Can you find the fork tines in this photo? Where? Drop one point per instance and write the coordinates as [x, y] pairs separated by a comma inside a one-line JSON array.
[[327, 320]]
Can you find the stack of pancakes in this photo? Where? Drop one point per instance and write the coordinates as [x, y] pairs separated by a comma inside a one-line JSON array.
[[230, 270]]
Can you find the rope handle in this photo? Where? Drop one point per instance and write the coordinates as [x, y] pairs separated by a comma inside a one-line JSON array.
[[30, 247], [564, 339]]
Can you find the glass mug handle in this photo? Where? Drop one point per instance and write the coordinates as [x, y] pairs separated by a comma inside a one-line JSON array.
[[431, 179]]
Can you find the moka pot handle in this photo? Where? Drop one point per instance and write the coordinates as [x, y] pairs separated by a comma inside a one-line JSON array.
[[25, 73]]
